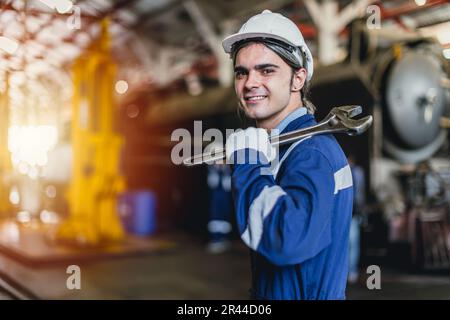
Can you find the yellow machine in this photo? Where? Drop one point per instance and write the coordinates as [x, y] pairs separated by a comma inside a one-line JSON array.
[[5, 155], [96, 180]]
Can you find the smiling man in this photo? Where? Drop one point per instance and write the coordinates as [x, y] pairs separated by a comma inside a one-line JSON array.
[[263, 87], [295, 220]]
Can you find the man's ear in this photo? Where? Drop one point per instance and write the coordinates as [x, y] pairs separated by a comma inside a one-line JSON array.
[[298, 80]]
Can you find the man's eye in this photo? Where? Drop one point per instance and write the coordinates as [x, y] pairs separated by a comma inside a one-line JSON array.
[[267, 71], [239, 74]]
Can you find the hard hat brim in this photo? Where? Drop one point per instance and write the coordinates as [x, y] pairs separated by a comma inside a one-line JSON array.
[[229, 41]]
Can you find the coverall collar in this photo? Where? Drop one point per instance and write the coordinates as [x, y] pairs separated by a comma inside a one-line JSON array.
[[297, 113]]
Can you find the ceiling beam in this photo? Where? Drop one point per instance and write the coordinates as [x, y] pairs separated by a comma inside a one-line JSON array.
[[408, 8]]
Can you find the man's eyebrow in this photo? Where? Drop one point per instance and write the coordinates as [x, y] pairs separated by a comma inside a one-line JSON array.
[[265, 65], [257, 67], [241, 69]]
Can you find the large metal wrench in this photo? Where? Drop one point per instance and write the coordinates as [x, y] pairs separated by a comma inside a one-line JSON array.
[[337, 121]]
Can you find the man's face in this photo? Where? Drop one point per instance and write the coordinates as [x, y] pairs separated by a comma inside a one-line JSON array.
[[263, 83]]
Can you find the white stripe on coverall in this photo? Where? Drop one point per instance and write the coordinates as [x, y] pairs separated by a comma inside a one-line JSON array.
[[259, 209]]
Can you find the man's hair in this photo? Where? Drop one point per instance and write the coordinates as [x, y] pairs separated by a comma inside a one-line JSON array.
[[285, 52]]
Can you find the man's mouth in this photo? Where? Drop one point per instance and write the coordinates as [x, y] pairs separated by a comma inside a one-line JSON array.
[[254, 98]]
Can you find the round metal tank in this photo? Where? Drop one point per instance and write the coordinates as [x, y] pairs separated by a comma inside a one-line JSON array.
[[413, 101]]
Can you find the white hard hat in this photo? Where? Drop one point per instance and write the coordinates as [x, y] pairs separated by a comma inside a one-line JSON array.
[[274, 26]]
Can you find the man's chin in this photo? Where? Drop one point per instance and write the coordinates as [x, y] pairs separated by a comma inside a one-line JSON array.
[[258, 118], [256, 112], [253, 116]]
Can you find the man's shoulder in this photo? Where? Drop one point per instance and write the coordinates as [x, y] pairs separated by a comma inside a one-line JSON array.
[[327, 146], [324, 145]]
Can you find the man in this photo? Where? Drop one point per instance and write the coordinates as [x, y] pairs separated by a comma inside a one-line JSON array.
[[295, 220]]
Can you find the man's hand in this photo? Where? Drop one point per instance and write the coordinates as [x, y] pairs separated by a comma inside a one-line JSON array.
[[251, 138]]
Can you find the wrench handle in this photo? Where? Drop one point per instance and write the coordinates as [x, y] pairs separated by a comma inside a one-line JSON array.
[[328, 125], [286, 138]]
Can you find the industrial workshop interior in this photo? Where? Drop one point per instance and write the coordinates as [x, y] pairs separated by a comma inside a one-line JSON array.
[[116, 119]]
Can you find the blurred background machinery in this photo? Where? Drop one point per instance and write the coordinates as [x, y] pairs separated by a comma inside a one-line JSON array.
[[403, 83]]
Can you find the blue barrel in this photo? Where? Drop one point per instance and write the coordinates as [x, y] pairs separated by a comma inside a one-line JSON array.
[[137, 210]]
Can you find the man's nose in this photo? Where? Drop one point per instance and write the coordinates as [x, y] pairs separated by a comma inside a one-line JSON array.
[[253, 80]]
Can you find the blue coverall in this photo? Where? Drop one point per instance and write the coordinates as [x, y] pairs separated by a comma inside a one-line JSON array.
[[296, 220]]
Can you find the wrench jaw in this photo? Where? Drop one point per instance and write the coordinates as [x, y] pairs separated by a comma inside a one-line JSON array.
[[339, 120], [359, 126], [346, 112], [352, 127]]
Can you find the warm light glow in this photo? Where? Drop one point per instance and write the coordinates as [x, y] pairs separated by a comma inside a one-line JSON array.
[[29, 147], [23, 216], [9, 232], [8, 45], [49, 217], [14, 196], [121, 86], [33, 173], [23, 168], [421, 2], [50, 191]]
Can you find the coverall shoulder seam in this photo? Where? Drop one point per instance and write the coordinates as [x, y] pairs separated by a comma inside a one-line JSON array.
[[296, 151]]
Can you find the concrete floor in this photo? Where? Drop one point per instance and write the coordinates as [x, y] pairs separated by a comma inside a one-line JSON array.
[[188, 272], [183, 272]]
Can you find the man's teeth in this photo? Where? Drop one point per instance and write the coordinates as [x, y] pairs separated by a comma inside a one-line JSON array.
[[256, 98]]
